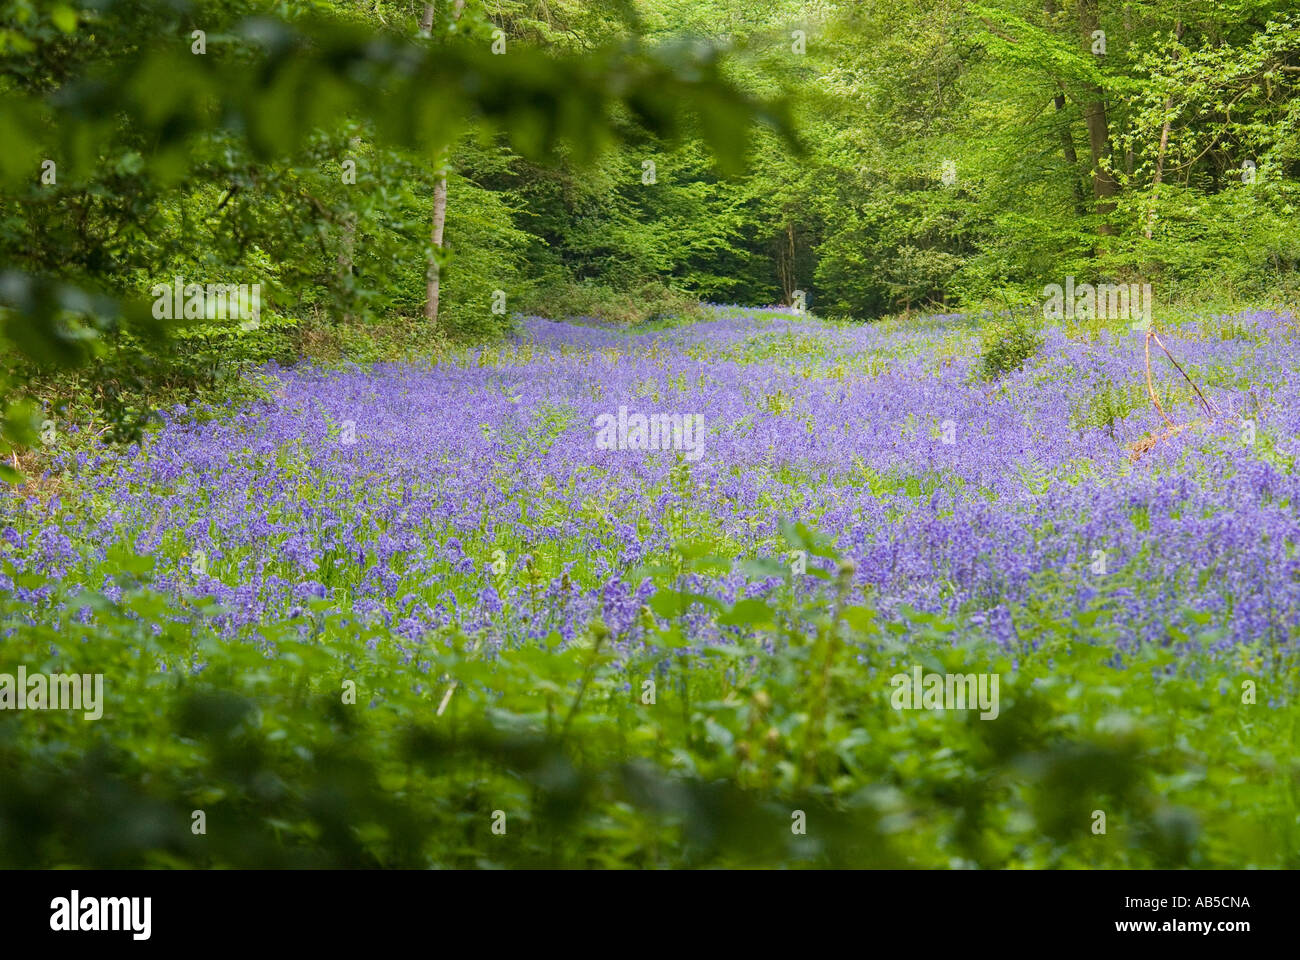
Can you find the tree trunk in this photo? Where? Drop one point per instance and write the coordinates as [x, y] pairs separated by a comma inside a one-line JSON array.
[[785, 265], [1071, 155], [439, 220], [1164, 141], [1063, 128], [348, 244], [439, 190], [1104, 185]]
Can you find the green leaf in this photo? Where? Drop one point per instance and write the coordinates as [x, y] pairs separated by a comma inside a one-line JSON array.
[[64, 17], [748, 612]]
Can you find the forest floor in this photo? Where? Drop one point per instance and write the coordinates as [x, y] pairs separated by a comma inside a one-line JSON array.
[[623, 571]]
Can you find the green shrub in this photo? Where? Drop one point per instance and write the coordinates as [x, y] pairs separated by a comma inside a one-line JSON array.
[[652, 301], [1006, 343]]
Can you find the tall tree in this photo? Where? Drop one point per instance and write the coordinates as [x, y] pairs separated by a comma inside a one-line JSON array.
[[439, 190], [1104, 185], [1159, 173], [1064, 132]]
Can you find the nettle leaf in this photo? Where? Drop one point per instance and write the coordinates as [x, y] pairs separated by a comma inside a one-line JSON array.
[[671, 603], [748, 612]]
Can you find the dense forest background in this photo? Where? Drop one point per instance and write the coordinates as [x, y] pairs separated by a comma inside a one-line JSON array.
[[399, 174]]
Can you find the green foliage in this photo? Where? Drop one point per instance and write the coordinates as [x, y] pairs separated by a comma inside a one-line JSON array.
[[650, 303], [300, 152], [1007, 341], [263, 736], [619, 159]]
